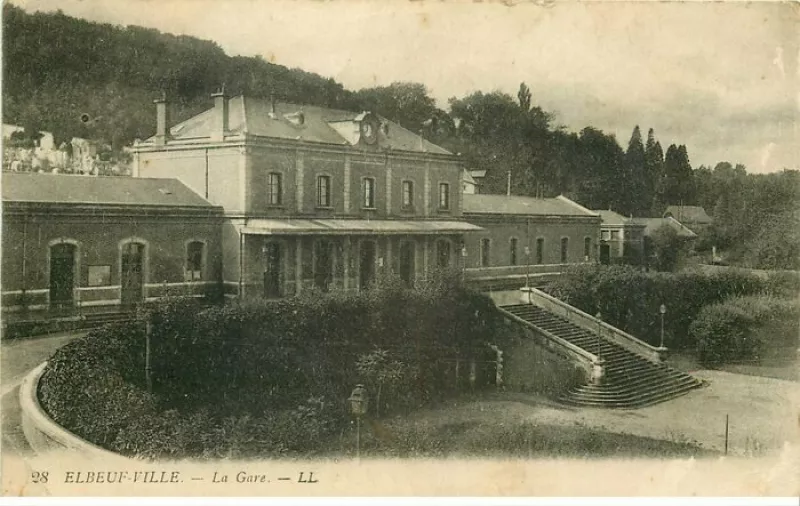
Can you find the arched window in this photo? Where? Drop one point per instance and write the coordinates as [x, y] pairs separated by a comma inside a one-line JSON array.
[[512, 251], [486, 244], [540, 250], [564, 249], [63, 262], [443, 253]]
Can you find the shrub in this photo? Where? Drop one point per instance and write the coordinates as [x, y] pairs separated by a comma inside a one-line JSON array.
[[629, 298], [261, 377], [729, 331]]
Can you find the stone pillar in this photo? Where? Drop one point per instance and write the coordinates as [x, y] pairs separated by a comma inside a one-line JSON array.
[[388, 187], [598, 371], [346, 260], [298, 265], [346, 183], [426, 193], [299, 170]]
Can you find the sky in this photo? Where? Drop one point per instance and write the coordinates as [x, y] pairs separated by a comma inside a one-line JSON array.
[[721, 78]]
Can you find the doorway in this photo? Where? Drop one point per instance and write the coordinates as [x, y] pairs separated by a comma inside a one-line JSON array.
[[323, 264], [132, 281], [367, 253], [272, 270], [62, 275], [605, 253], [407, 263]]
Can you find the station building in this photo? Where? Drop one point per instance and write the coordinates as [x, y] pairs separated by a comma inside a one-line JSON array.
[[313, 197], [254, 198], [82, 243]]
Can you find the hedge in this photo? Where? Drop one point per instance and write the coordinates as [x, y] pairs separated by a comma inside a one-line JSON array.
[[629, 298], [745, 328], [260, 378]]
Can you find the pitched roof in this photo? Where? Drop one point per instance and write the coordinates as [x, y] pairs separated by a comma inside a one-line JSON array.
[[524, 206], [466, 177], [112, 190], [611, 218], [615, 219], [688, 214], [253, 116], [653, 224]]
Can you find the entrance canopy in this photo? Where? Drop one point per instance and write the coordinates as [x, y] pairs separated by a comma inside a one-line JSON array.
[[356, 227]]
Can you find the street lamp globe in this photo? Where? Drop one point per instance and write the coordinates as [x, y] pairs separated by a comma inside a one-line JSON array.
[[663, 309], [359, 401]]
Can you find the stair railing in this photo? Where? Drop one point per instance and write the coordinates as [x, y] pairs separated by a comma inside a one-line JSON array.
[[593, 325]]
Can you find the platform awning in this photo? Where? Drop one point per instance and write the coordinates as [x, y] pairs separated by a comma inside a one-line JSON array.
[[356, 227]]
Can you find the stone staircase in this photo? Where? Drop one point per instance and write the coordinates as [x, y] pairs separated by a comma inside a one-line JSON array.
[[630, 380]]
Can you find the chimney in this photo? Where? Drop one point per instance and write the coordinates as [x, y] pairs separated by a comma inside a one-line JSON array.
[[219, 122], [162, 120]]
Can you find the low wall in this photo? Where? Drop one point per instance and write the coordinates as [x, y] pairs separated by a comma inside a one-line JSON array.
[[530, 366], [44, 435], [592, 324]]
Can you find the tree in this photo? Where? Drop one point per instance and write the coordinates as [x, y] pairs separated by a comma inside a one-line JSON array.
[[667, 248], [635, 180], [524, 97], [654, 162]]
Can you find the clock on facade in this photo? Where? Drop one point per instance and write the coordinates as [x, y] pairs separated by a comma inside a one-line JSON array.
[[369, 130]]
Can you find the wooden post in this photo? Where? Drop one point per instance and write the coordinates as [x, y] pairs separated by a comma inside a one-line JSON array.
[[726, 434], [147, 370], [457, 364]]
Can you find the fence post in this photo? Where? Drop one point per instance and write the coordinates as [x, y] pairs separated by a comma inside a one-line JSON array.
[[726, 433], [147, 369], [457, 364]]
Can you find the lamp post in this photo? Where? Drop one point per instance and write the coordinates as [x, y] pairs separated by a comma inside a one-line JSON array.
[[663, 311], [358, 407], [599, 317], [463, 263]]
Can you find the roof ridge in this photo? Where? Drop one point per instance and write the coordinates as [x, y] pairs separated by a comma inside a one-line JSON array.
[[575, 204]]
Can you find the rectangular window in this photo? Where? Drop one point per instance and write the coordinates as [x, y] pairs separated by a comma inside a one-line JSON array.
[[194, 261], [324, 191], [564, 249], [485, 245], [369, 193], [99, 275], [444, 196], [408, 194], [615, 235], [512, 254], [604, 235], [275, 189], [587, 248], [540, 250]]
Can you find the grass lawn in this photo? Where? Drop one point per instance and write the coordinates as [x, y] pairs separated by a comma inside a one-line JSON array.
[[783, 364], [489, 427], [763, 415]]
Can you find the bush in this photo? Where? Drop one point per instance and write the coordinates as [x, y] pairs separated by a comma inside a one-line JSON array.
[[261, 377], [729, 331], [629, 298]]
